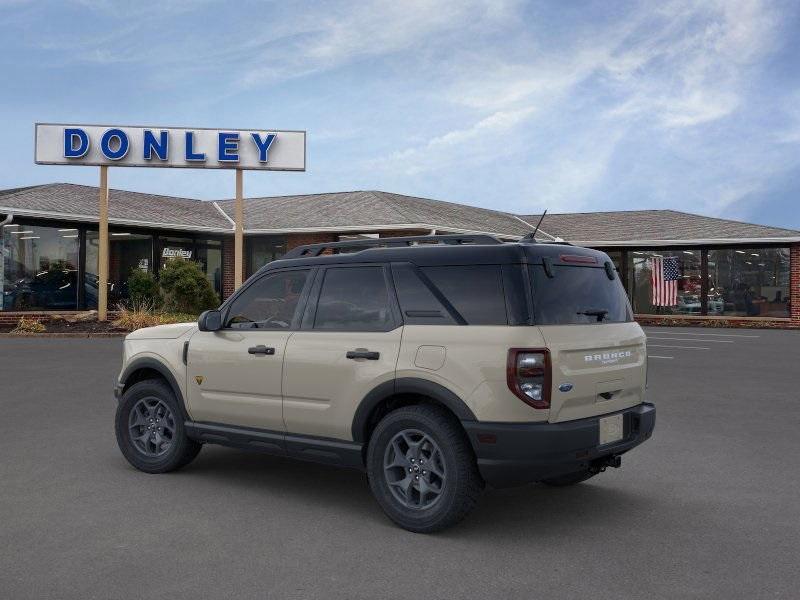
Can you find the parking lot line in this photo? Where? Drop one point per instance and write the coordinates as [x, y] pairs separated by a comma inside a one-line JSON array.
[[689, 347], [654, 356], [736, 335], [671, 339]]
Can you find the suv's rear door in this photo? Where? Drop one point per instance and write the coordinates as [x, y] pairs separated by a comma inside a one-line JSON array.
[[597, 352], [348, 344]]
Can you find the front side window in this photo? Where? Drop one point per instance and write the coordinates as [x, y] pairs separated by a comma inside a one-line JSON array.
[[354, 299], [269, 303], [577, 294]]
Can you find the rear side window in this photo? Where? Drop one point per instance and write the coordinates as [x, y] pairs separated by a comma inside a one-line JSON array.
[[354, 299], [475, 291], [578, 295], [419, 304]]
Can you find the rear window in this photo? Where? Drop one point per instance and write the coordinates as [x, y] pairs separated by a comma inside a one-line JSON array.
[[578, 295]]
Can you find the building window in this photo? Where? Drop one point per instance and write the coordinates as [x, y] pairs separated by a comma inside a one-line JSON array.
[[263, 249], [128, 252], [176, 247], [39, 268], [748, 282], [666, 281], [209, 255]]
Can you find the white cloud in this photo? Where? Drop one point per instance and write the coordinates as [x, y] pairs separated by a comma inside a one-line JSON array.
[[478, 142], [347, 32]]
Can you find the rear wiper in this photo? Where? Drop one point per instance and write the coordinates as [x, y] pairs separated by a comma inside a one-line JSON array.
[[600, 313]]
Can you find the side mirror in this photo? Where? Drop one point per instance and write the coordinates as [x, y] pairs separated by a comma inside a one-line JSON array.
[[210, 320]]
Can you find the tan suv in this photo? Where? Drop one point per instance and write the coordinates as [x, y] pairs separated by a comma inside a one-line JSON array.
[[435, 364]]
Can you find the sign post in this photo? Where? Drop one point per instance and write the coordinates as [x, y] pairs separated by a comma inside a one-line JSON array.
[[175, 147], [238, 242], [103, 253]]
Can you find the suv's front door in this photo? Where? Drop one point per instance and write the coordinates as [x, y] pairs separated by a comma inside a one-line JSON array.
[[234, 375], [348, 344]]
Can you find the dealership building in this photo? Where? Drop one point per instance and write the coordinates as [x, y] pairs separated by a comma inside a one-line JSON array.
[[742, 273]]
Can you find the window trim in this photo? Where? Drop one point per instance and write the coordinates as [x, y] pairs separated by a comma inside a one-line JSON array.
[[310, 312], [301, 303]]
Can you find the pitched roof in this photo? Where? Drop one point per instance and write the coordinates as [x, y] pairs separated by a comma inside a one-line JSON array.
[[361, 210], [653, 226], [80, 202]]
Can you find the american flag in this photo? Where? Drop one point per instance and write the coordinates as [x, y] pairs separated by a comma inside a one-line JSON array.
[[664, 280]]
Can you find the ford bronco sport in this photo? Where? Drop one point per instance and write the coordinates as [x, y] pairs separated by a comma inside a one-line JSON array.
[[436, 364]]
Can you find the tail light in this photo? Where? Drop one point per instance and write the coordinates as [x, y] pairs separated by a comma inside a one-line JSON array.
[[528, 375]]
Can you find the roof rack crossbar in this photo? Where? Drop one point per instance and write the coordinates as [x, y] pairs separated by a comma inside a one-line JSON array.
[[311, 250]]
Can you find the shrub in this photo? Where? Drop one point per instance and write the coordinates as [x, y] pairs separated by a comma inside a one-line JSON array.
[[185, 288], [140, 315], [28, 325], [143, 289]]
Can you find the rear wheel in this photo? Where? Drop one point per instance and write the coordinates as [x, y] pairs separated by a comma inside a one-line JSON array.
[[150, 430], [422, 470], [569, 478]]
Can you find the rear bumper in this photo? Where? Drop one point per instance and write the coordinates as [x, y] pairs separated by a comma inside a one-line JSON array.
[[516, 453]]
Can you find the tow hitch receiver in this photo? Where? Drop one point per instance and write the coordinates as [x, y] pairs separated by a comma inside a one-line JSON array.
[[601, 464]]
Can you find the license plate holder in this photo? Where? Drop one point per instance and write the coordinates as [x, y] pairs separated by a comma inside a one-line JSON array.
[[611, 429]]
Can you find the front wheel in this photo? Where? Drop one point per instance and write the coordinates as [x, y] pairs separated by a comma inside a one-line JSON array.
[[150, 430], [422, 470]]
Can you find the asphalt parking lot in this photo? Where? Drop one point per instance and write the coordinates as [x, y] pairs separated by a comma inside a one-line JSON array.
[[709, 508]]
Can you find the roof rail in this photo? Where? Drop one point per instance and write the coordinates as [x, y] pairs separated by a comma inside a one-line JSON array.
[[312, 250]]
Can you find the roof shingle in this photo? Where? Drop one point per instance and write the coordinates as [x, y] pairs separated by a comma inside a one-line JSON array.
[[70, 201], [371, 209], [376, 210], [651, 226]]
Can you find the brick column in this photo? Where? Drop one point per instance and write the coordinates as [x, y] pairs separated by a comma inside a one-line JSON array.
[[794, 283], [228, 267]]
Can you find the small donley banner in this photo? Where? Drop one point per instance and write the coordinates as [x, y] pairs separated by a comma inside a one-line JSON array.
[[181, 147]]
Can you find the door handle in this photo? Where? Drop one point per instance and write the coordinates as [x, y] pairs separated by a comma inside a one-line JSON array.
[[363, 353], [261, 350]]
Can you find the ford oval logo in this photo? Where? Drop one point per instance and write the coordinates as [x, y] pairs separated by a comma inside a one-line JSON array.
[[565, 387]]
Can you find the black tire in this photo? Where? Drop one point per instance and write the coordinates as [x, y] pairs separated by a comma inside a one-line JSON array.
[[569, 479], [461, 486], [169, 455]]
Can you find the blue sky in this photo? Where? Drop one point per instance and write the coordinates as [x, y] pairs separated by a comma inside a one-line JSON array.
[[565, 105]]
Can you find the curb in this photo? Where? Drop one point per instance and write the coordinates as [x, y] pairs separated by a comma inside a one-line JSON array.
[[62, 335]]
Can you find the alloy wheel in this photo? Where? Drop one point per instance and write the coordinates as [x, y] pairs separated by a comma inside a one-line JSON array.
[[151, 426], [414, 470]]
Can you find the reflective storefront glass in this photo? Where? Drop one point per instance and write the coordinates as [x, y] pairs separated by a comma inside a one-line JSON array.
[[39, 268], [209, 255], [749, 282], [128, 252], [261, 250], [666, 281], [206, 252]]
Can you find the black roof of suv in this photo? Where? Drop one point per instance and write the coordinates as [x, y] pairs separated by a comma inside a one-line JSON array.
[[435, 250]]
